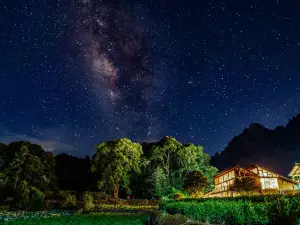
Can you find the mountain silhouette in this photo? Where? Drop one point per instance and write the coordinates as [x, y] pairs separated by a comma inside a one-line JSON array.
[[276, 149]]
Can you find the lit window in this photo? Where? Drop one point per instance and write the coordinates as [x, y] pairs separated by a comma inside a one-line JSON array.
[[221, 179], [269, 183]]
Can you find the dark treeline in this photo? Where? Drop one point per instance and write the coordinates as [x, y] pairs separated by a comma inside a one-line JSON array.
[[277, 149], [118, 168]]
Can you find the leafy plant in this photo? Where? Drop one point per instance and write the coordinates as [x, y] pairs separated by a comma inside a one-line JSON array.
[[28, 198], [177, 194], [245, 185], [88, 202], [196, 183], [241, 210], [70, 201]]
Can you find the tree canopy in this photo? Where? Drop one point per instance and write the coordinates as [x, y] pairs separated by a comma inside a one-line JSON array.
[[169, 162], [119, 166], [196, 183], [115, 162]]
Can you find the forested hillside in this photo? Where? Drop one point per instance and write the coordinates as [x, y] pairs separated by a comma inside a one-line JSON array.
[[277, 149]]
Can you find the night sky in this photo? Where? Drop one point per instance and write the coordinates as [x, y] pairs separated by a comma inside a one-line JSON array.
[[74, 73]]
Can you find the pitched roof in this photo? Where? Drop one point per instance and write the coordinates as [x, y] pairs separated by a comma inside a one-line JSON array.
[[225, 171], [280, 176], [295, 169], [232, 168], [253, 166]]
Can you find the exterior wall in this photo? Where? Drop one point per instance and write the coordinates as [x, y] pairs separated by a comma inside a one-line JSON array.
[[265, 173], [297, 179], [223, 182], [285, 185], [268, 180], [270, 183]]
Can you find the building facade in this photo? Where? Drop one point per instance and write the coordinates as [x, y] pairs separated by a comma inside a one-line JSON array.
[[268, 181], [295, 175]]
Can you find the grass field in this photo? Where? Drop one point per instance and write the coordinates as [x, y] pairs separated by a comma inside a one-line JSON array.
[[88, 219]]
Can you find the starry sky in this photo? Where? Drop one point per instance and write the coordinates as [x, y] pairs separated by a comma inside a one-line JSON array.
[[74, 73]]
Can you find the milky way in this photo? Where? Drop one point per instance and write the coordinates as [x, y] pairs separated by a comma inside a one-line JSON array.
[[120, 56], [92, 70]]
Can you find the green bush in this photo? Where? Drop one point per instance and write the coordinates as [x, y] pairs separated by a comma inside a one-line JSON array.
[[177, 194], [88, 202], [216, 212], [70, 201], [271, 210], [285, 210], [37, 199], [28, 198], [63, 194]]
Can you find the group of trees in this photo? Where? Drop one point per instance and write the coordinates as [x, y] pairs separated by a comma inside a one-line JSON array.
[[26, 172], [118, 167], [151, 169]]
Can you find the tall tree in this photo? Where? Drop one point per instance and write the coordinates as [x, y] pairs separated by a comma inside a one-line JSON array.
[[12, 155], [115, 161], [177, 160], [196, 183], [23, 161], [164, 154], [29, 168]]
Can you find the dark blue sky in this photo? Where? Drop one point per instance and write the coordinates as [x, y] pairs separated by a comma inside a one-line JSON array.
[[75, 73]]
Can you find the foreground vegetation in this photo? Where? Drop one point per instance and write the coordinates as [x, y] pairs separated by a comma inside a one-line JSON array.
[[89, 219], [251, 210]]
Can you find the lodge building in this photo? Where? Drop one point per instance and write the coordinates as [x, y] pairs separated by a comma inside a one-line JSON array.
[[268, 182], [295, 175]]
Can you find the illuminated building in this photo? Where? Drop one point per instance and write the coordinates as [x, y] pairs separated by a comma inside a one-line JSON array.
[[268, 182], [295, 175]]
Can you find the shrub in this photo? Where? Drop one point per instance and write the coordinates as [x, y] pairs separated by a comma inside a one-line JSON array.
[[100, 195], [177, 194], [63, 194], [37, 199], [28, 198], [21, 201], [246, 210], [88, 202], [245, 185], [196, 183], [219, 212], [70, 201], [285, 210]]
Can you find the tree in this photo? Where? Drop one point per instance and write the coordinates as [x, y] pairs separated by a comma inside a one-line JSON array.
[[196, 183], [28, 197], [192, 158], [177, 160], [115, 161], [245, 185], [26, 161], [27, 167], [165, 153], [160, 182]]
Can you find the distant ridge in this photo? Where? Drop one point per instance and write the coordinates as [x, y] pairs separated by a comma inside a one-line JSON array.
[[276, 149]]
